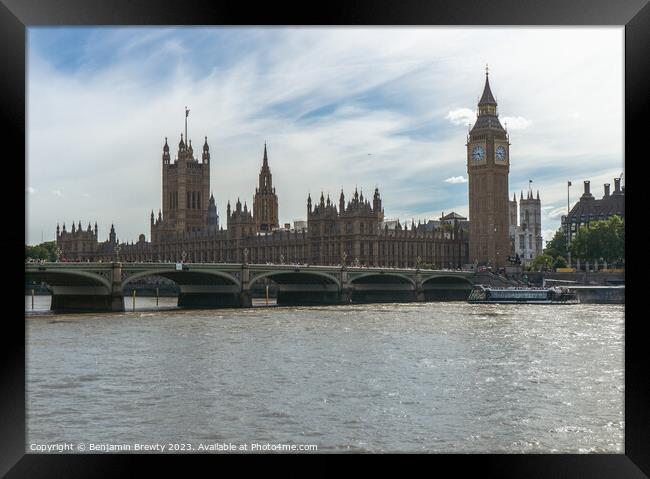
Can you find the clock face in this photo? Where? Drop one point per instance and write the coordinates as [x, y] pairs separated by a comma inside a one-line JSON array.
[[501, 153], [478, 153]]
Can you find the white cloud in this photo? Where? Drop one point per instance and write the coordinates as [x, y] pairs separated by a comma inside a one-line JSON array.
[[515, 122], [461, 116], [456, 179], [30, 190], [57, 193], [557, 213]]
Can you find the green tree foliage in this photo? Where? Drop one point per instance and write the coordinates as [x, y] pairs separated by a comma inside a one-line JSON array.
[[603, 239], [44, 251], [557, 246], [543, 261], [560, 262]]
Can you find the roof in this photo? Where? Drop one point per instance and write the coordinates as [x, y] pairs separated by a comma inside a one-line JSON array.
[[588, 208], [453, 216], [487, 98], [487, 121]]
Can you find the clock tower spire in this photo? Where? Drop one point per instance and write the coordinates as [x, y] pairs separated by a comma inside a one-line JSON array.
[[488, 165]]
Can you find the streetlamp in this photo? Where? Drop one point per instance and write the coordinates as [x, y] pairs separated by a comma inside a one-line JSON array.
[[496, 248], [117, 253], [183, 255], [566, 224]]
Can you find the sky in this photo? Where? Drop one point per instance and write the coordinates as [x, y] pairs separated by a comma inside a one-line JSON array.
[[338, 107]]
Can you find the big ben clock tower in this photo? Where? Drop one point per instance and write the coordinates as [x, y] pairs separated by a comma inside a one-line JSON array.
[[488, 165]]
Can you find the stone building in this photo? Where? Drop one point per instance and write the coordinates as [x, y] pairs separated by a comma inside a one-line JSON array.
[[77, 242], [80, 245], [589, 209], [354, 233], [488, 165], [526, 234]]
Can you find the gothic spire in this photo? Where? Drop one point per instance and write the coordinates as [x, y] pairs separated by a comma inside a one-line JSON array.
[[206, 151], [265, 161], [487, 98]]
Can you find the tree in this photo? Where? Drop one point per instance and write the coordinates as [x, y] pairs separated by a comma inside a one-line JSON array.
[[603, 239], [557, 246], [543, 261], [560, 262], [44, 251]]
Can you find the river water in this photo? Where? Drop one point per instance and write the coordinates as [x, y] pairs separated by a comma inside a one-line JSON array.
[[416, 377]]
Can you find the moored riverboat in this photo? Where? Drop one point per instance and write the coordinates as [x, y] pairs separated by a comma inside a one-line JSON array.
[[489, 295]]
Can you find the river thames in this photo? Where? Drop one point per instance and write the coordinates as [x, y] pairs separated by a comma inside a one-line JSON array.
[[441, 377]]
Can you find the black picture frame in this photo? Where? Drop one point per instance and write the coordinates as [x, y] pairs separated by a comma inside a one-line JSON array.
[[17, 15]]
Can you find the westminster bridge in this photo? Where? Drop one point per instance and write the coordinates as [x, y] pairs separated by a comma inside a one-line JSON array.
[[100, 286]]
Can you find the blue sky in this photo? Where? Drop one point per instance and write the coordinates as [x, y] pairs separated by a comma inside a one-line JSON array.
[[338, 107]]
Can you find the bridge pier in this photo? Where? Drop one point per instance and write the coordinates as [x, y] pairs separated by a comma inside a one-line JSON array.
[[245, 300], [307, 298], [345, 296], [208, 300], [419, 293], [84, 303], [117, 292], [87, 298]]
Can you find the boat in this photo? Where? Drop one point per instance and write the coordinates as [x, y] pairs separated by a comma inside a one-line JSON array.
[[482, 294]]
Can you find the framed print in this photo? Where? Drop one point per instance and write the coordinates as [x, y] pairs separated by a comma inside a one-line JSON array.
[[376, 230]]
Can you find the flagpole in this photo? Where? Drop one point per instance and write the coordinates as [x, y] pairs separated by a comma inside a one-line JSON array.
[[186, 140]]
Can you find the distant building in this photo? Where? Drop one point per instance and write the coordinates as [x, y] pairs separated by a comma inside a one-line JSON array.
[[526, 235], [187, 228], [589, 209], [454, 219], [300, 225]]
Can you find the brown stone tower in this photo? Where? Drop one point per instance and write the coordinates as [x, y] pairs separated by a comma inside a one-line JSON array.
[[186, 189], [488, 165], [265, 202]]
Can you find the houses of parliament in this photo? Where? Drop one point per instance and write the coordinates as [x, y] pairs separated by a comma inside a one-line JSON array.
[[350, 231]]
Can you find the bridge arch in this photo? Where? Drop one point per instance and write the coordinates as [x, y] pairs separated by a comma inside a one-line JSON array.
[[447, 287], [68, 278], [375, 276], [298, 276], [181, 277], [447, 279]]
